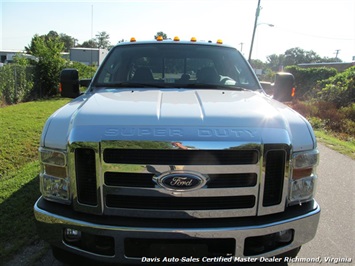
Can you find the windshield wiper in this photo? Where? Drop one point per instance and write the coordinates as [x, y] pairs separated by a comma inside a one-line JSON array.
[[213, 86], [169, 86], [129, 85]]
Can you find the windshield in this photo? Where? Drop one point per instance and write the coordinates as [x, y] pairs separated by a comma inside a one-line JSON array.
[[169, 65]]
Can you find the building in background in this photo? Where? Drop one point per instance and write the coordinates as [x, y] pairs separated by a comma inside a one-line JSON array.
[[88, 56], [7, 55]]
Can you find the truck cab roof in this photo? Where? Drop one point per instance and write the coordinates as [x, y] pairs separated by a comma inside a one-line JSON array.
[[192, 41]]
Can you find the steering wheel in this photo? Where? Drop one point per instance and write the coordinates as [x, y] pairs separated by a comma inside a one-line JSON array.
[[224, 80]]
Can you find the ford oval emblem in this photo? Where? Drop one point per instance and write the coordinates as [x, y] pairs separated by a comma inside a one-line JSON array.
[[181, 181]]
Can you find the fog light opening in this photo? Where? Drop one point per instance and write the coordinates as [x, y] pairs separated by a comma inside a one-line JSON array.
[[72, 235], [285, 236], [257, 245]]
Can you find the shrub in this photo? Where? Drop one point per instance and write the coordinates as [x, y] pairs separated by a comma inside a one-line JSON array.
[[307, 109], [348, 127], [306, 78], [316, 122], [326, 116], [339, 89], [328, 112], [85, 72], [349, 112]]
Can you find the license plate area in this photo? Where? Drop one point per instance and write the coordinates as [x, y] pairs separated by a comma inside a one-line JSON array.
[[178, 248]]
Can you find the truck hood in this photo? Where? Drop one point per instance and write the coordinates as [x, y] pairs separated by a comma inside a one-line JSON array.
[[176, 115]]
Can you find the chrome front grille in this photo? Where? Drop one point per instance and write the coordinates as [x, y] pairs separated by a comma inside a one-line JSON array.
[[119, 178]]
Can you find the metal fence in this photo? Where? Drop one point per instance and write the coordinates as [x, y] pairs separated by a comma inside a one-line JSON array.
[[16, 83]]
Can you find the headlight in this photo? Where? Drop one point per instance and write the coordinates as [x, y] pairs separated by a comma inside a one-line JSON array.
[[303, 176], [52, 157], [54, 179], [304, 160]]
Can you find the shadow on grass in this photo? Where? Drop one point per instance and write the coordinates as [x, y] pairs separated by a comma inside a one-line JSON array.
[[17, 222]]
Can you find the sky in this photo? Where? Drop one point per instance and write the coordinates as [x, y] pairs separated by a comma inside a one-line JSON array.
[[325, 26]]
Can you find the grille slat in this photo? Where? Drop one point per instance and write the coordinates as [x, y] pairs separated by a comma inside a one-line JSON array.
[[180, 157], [274, 175], [232, 180], [129, 179], [86, 176], [145, 180], [179, 203]]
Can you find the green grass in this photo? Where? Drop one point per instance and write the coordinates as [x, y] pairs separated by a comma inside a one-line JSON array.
[[21, 127], [343, 147]]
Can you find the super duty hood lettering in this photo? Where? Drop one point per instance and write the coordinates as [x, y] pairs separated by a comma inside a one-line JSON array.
[[180, 132]]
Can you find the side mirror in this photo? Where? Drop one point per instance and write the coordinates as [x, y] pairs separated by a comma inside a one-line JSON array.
[[69, 83], [284, 87]]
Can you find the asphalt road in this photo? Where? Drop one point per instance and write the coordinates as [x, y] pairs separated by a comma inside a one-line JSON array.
[[335, 239]]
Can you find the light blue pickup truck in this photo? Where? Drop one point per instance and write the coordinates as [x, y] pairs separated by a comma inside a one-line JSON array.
[[175, 153]]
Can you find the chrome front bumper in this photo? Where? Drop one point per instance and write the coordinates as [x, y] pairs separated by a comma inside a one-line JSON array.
[[53, 218]]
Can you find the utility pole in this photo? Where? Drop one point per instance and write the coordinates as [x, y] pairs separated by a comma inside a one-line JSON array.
[[336, 53], [241, 47], [255, 25]]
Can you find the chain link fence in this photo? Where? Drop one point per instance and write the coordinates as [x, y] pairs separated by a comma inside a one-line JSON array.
[[16, 83]]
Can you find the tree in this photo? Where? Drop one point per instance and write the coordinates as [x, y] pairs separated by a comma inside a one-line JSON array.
[[88, 44], [162, 34], [102, 40], [49, 64], [30, 48], [276, 62], [51, 35], [21, 60], [267, 74], [331, 60], [66, 39], [69, 42], [257, 63], [295, 56]]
